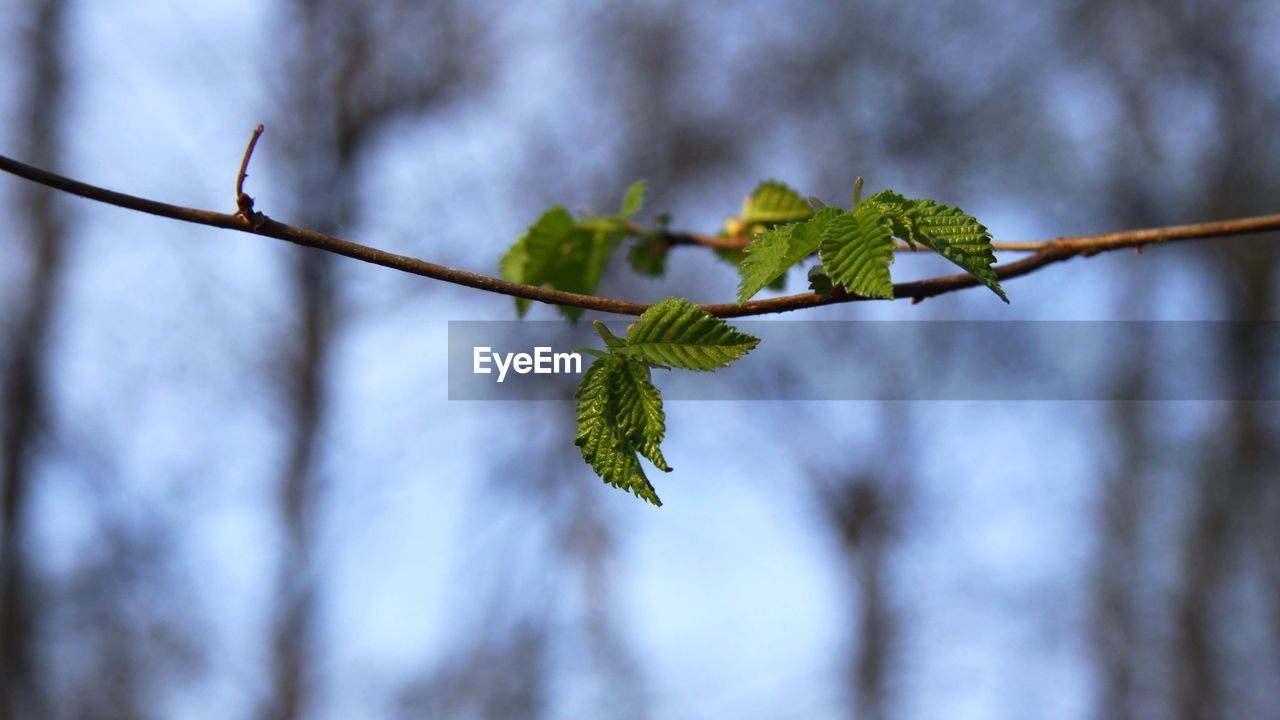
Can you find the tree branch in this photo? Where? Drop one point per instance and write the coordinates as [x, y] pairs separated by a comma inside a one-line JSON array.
[[1046, 253], [243, 201]]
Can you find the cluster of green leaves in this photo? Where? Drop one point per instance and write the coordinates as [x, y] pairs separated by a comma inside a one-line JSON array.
[[564, 253], [620, 415], [856, 246]]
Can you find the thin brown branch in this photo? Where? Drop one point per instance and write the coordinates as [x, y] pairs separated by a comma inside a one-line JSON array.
[[1050, 252], [243, 201], [248, 153], [680, 238], [1025, 246]]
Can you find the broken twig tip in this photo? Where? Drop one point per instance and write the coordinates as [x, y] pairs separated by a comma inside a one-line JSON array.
[[244, 203]]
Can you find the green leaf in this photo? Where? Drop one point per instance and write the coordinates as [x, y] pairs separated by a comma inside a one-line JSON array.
[[678, 333], [527, 260], [898, 209], [649, 256], [633, 200], [620, 415], [638, 411], [957, 237], [946, 230], [775, 251], [611, 341], [512, 267], [562, 254], [856, 251], [605, 436], [730, 255], [581, 264], [735, 258], [820, 281], [542, 242], [765, 261], [807, 237], [772, 203]]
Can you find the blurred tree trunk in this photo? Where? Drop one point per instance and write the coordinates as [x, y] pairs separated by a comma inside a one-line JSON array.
[[1118, 562], [536, 616], [353, 69], [861, 516], [1122, 508], [1225, 480], [326, 207], [292, 636], [42, 233], [1238, 460], [861, 509], [1231, 487]]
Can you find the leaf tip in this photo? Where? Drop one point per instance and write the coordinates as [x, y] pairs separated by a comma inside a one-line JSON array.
[[633, 199]]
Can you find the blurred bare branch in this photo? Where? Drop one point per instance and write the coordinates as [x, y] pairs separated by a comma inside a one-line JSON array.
[[534, 614], [354, 68], [26, 377]]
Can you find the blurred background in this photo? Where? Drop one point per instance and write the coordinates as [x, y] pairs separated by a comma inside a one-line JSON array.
[[233, 487]]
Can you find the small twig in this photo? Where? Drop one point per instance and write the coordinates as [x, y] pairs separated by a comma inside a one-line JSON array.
[[680, 238], [243, 201], [1048, 253]]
